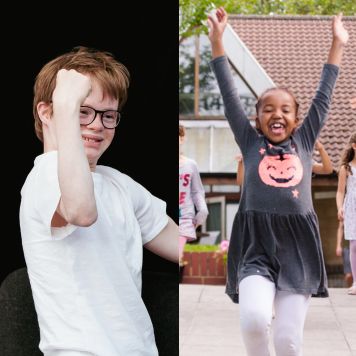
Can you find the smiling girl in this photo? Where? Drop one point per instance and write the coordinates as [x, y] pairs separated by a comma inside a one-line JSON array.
[[275, 255]]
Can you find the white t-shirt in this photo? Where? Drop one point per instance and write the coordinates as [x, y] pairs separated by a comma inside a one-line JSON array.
[[86, 281]]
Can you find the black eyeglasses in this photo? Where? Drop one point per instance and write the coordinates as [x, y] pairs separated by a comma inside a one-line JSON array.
[[109, 118]]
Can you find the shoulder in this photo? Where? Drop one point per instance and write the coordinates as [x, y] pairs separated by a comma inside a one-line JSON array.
[[119, 179], [191, 162]]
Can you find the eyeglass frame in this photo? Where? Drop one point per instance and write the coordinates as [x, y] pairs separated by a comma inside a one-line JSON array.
[[102, 112]]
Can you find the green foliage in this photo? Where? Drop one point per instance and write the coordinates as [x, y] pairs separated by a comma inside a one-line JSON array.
[[200, 248], [193, 13]]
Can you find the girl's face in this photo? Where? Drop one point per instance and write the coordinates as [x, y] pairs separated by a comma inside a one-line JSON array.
[[276, 116]]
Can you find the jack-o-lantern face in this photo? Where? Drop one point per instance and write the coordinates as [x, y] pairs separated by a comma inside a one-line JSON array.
[[281, 170]]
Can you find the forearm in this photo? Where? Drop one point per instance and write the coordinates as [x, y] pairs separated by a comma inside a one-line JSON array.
[[217, 48], [240, 173], [335, 54], [339, 200], [339, 237], [327, 166], [77, 203], [165, 244], [234, 111]]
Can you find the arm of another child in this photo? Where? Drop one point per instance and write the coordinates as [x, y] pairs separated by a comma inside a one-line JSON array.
[[240, 170], [340, 194], [339, 236], [325, 167]]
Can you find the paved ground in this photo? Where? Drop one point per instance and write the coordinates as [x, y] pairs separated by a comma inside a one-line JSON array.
[[209, 325]]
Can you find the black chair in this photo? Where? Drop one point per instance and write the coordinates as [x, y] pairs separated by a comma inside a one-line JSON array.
[[19, 331]]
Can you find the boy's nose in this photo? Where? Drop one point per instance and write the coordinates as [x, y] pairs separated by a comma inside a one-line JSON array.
[[97, 123]]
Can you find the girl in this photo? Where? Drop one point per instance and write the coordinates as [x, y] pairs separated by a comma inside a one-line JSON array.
[[275, 254], [346, 201], [192, 206]]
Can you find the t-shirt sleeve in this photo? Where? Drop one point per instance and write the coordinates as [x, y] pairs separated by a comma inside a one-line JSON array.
[[46, 194], [234, 112], [318, 111], [149, 210]]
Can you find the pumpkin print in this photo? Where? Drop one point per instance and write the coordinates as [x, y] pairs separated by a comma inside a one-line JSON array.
[[283, 170]]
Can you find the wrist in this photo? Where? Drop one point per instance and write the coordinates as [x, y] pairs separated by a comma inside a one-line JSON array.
[[337, 43]]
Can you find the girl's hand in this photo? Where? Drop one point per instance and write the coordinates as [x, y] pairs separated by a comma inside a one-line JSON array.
[[318, 145], [340, 214], [338, 251], [217, 24], [353, 102], [340, 34]]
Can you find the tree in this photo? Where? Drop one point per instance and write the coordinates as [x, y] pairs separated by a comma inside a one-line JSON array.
[[193, 13]]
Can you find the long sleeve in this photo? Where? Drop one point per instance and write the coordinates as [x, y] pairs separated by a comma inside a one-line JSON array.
[[198, 196], [318, 111], [234, 112]]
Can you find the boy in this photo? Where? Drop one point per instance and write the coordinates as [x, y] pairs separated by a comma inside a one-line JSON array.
[[83, 225]]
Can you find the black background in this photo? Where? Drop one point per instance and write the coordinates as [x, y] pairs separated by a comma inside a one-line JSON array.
[[140, 36]]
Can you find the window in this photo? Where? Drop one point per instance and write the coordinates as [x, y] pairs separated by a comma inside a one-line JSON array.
[[215, 223]]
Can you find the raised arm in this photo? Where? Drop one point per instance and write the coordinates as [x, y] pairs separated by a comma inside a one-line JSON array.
[[340, 38], [234, 111], [77, 204], [319, 108], [217, 23], [325, 167]]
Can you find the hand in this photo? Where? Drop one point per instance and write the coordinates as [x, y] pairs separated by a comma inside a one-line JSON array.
[[71, 87], [340, 34], [238, 158], [318, 145], [338, 251], [353, 102], [340, 214], [217, 24]]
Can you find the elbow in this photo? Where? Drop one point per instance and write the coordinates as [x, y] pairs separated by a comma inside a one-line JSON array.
[[84, 219], [326, 171], [329, 170]]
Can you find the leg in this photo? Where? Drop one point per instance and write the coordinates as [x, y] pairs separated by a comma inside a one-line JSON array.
[[256, 295], [352, 290], [291, 310]]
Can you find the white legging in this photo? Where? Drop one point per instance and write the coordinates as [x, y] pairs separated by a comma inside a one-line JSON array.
[[257, 295]]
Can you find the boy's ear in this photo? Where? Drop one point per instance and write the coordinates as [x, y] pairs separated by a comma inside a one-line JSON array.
[[44, 111]]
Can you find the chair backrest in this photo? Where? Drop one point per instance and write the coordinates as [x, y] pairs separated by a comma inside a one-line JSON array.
[[19, 331]]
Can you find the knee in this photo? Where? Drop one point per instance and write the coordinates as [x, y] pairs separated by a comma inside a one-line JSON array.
[[288, 343], [254, 323]]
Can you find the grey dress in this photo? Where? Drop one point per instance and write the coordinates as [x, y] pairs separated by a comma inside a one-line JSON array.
[[275, 232]]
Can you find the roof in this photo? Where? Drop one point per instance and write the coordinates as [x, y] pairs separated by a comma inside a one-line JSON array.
[[292, 50]]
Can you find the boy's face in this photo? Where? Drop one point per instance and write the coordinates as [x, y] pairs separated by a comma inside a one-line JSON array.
[[276, 117], [96, 137]]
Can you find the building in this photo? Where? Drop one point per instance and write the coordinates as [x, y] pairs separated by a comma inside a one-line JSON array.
[[265, 51]]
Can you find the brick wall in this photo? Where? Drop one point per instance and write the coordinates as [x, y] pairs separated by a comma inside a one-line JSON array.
[[203, 268]]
